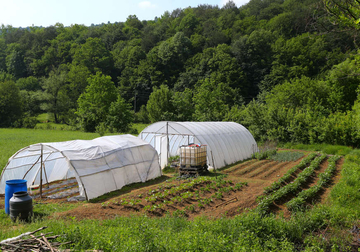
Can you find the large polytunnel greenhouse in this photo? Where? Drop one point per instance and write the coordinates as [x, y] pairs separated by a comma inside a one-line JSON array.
[[227, 142], [100, 165]]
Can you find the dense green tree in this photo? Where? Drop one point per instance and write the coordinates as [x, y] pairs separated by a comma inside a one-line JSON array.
[[15, 61], [94, 55], [32, 102], [76, 82], [159, 105], [55, 98], [254, 54], [2, 55], [299, 93], [30, 84], [298, 56], [344, 81], [94, 103], [10, 103], [182, 103], [188, 24], [120, 116], [346, 12], [211, 100]]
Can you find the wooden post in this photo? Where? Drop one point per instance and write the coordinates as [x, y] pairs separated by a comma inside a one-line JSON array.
[[212, 157], [167, 143], [41, 165]]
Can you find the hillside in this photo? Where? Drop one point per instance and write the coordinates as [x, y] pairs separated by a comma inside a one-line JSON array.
[[283, 68]]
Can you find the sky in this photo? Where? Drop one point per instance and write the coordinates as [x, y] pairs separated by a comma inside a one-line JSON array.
[[24, 13]]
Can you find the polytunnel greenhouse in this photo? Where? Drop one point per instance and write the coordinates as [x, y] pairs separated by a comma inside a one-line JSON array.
[[227, 142], [99, 166]]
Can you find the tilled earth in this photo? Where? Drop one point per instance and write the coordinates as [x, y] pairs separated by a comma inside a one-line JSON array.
[[257, 174]]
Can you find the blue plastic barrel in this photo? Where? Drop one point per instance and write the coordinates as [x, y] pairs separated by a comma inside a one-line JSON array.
[[14, 185]]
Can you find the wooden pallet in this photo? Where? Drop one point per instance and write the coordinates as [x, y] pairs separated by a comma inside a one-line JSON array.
[[192, 170]]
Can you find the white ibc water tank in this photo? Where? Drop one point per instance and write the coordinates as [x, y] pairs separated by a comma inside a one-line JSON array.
[[193, 155]]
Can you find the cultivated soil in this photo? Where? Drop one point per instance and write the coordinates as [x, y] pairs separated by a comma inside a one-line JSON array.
[[257, 174]]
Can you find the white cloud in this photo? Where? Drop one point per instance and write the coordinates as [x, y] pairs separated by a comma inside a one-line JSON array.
[[237, 2], [146, 5]]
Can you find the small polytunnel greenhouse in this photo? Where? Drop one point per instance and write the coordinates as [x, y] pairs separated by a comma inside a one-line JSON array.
[[100, 165], [227, 142]]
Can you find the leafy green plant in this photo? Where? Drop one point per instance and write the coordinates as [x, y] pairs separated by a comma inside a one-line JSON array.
[[298, 203], [179, 213], [285, 178], [264, 205], [104, 204]]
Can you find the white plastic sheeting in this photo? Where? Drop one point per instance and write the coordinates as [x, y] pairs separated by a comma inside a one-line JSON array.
[[228, 142], [100, 165]]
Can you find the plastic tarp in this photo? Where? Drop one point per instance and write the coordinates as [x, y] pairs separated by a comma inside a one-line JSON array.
[[100, 165], [228, 142]]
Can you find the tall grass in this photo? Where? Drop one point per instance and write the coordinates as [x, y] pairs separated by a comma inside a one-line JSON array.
[[248, 232], [326, 148], [346, 193]]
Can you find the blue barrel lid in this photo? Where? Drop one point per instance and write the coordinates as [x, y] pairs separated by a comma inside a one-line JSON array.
[[15, 181]]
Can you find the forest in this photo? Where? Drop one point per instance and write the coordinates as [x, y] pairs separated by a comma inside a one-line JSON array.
[[288, 70]]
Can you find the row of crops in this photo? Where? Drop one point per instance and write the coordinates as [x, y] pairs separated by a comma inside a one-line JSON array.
[[190, 196], [290, 184]]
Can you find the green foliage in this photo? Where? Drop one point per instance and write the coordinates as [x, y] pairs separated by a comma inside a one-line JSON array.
[[94, 56], [159, 105], [265, 154], [344, 13], [95, 102], [287, 176], [260, 65], [15, 60], [10, 103], [55, 97], [182, 103], [210, 100], [343, 80], [346, 193], [120, 116], [299, 202], [291, 188]]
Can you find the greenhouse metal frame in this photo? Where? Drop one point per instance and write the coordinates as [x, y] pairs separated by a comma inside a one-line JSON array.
[[100, 165], [228, 142]]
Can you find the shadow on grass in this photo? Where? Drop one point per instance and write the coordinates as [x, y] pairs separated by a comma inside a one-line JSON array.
[[39, 215]]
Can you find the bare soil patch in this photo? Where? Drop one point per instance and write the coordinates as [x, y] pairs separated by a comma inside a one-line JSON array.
[[257, 174]]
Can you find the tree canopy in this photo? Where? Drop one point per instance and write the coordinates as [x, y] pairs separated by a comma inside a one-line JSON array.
[[286, 69]]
